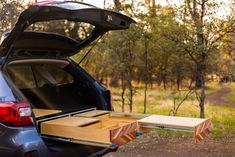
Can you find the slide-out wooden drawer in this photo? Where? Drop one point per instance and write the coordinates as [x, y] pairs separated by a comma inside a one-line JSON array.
[[95, 130], [104, 128]]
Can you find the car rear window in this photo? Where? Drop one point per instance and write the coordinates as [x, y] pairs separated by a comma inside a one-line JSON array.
[[75, 30], [60, 76], [35, 76], [22, 76], [6, 93]]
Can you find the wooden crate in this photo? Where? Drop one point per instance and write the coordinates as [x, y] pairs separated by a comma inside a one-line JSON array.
[[96, 130]]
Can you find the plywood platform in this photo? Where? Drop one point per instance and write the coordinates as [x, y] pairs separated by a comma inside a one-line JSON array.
[[200, 127], [44, 112], [171, 121], [72, 121], [93, 113]]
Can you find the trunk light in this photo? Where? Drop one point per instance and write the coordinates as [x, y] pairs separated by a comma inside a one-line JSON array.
[[25, 112]]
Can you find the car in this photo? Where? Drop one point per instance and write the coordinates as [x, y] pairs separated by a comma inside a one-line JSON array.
[[37, 72]]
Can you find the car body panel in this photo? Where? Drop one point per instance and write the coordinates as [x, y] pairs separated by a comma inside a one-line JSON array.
[[16, 141]]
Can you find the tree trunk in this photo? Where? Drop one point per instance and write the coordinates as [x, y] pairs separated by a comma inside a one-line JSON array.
[[164, 81], [178, 77], [123, 92], [104, 4], [131, 95], [145, 97], [202, 94], [198, 78], [146, 76], [117, 4], [201, 69]]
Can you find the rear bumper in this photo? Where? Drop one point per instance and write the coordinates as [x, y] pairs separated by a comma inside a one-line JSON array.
[[15, 142]]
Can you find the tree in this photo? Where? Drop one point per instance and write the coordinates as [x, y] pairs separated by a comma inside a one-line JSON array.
[[203, 37], [117, 4], [10, 11]]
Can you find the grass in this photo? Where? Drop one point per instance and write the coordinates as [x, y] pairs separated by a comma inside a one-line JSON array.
[[160, 101], [231, 95]]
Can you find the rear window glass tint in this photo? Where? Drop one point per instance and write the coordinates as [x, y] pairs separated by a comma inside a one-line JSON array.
[[61, 76], [75, 30], [22, 76], [36, 76]]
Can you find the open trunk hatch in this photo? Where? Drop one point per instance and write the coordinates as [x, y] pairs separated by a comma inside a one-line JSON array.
[[102, 20]]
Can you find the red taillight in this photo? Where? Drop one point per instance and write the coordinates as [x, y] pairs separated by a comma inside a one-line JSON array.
[[15, 114]]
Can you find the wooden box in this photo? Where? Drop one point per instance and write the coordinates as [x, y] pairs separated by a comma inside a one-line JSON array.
[[96, 129], [104, 128]]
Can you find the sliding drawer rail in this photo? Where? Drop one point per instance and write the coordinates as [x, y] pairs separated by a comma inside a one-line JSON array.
[[84, 142]]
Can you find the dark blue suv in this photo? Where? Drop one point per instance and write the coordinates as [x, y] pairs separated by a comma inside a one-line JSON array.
[[36, 72]]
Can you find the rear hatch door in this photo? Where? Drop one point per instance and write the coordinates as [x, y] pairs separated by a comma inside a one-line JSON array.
[[18, 38]]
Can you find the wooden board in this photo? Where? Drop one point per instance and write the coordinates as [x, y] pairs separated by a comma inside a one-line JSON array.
[[200, 127], [128, 115], [44, 112], [122, 135], [93, 113], [202, 130], [72, 121], [171, 121]]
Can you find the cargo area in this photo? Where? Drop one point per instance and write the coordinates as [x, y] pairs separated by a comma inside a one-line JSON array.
[[65, 104], [52, 84]]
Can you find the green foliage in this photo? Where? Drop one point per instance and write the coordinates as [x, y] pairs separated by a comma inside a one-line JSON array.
[[230, 97], [10, 11]]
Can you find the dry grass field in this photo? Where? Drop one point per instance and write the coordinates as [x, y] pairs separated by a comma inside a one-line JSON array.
[[221, 141]]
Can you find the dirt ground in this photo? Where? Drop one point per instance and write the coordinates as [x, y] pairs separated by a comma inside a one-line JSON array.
[[154, 145], [216, 97]]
